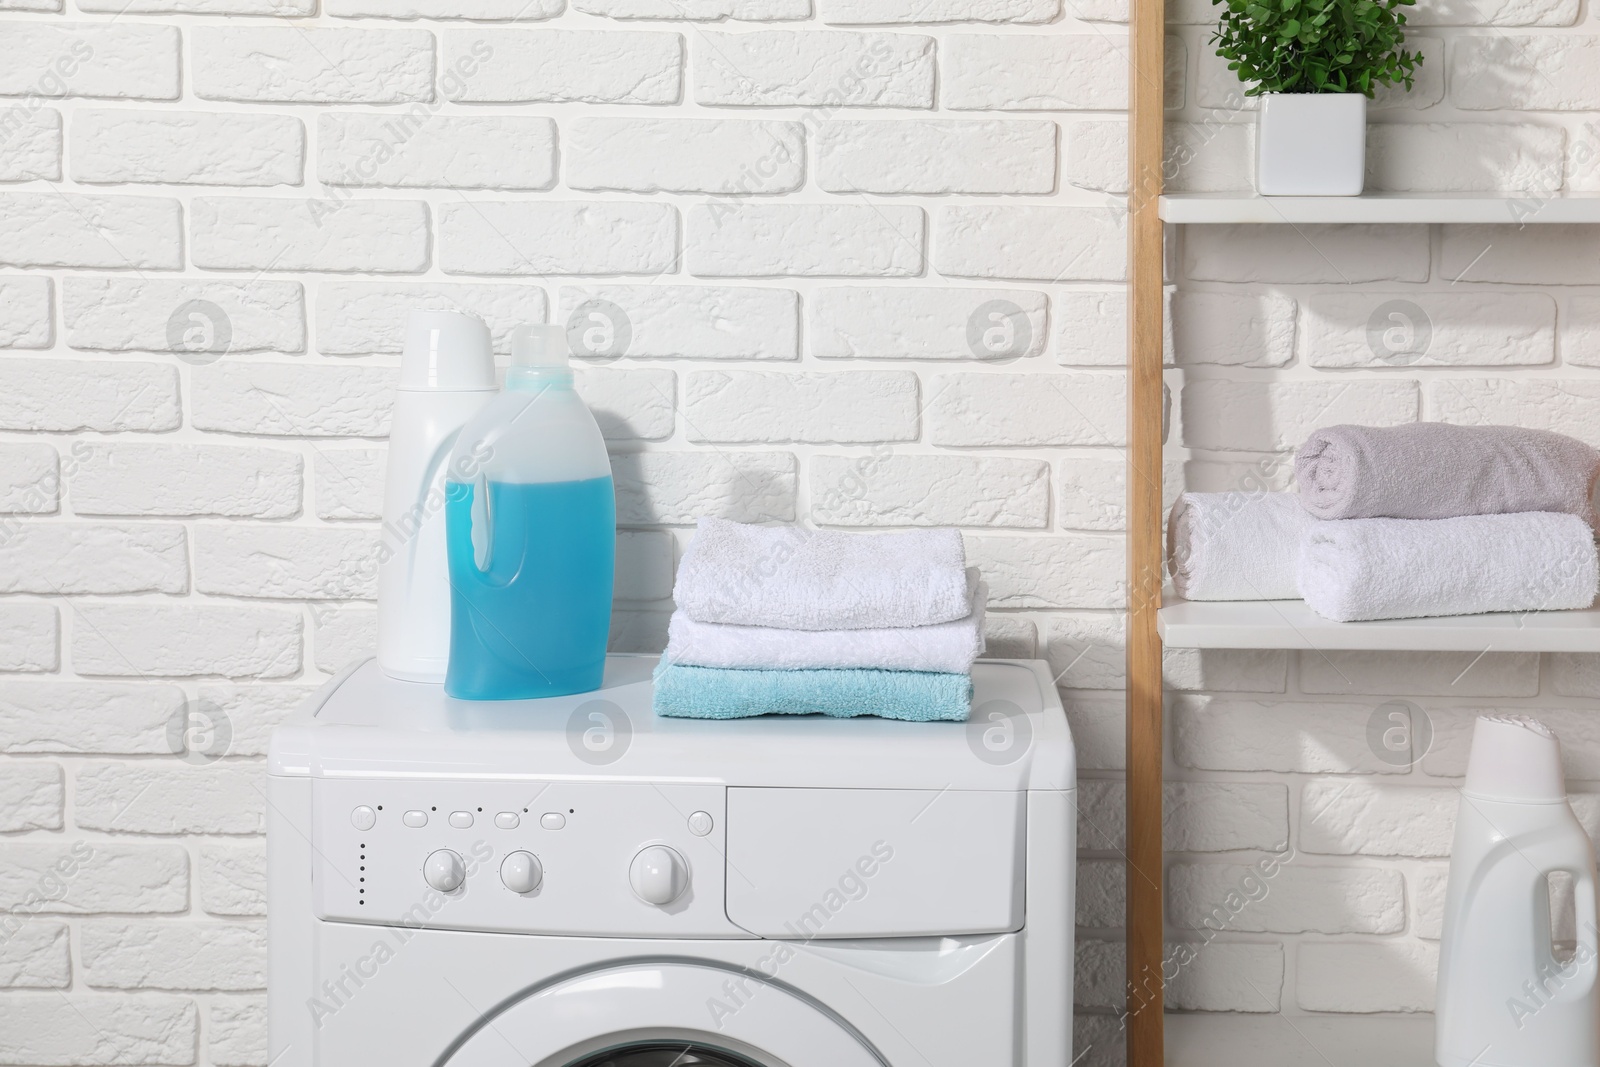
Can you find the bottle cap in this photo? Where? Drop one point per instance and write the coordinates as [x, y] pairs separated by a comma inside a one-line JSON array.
[[446, 351], [539, 347], [1515, 758]]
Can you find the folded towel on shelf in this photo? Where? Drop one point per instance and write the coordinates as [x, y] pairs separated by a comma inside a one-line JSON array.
[[687, 692], [946, 647], [1354, 569], [1235, 546], [1433, 470], [800, 579]]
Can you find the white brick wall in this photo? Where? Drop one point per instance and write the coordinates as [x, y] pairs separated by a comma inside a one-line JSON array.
[[186, 148], [1463, 157], [852, 240], [685, 155], [1035, 72], [33, 148], [240, 233], [569, 237], [138, 62], [817, 68], [71, 230], [561, 66], [1367, 977], [867, 259], [936, 157], [32, 634], [453, 153], [1049, 244], [143, 314], [283, 64]]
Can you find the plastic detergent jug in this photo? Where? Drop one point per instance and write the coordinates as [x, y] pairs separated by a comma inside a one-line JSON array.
[[532, 535], [446, 377], [1506, 997]]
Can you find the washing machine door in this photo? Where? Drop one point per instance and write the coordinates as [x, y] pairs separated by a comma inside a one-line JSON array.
[[662, 1014]]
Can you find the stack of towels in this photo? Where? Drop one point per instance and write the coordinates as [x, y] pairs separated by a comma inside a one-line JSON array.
[[783, 620], [1403, 522]]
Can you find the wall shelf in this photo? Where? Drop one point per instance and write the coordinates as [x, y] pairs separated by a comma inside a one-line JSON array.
[[1393, 208], [1290, 624], [1157, 621]]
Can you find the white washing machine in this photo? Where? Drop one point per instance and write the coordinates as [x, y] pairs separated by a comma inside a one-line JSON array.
[[575, 882]]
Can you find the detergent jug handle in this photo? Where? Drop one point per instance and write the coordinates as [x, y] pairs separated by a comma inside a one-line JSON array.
[[1578, 976], [1588, 920], [481, 522]]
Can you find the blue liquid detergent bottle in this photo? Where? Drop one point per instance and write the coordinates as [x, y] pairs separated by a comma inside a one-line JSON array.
[[531, 526]]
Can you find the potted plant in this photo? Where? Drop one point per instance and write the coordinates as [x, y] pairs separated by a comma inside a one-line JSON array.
[[1314, 63]]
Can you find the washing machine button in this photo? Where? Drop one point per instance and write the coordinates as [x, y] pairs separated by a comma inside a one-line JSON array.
[[658, 875], [415, 818], [552, 820], [444, 871], [363, 818], [461, 820], [701, 823], [521, 872], [507, 820]]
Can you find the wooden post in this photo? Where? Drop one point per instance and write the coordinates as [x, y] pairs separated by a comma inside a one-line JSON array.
[[1147, 91]]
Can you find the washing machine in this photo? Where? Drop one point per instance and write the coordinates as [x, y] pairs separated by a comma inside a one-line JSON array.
[[574, 882]]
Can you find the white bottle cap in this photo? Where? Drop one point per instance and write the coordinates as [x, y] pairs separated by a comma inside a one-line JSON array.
[[539, 347], [446, 351], [1515, 758]]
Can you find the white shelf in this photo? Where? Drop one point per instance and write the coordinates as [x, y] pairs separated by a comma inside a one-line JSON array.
[[1381, 207], [1236, 1039], [1290, 624]]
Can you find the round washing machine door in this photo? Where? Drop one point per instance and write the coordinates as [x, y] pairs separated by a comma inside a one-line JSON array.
[[662, 1014]]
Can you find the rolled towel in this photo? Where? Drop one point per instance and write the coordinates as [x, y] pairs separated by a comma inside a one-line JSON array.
[[947, 647], [687, 692], [1433, 470], [1235, 546], [800, 579], [1354, 569]]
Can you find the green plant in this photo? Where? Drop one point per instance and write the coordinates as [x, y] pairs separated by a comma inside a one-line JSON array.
[[1316, 46]]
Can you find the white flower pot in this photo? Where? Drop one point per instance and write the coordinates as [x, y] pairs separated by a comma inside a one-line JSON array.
[[1311, 144]]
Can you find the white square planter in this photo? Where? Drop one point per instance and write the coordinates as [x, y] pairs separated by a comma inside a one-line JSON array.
[[1311, 144]]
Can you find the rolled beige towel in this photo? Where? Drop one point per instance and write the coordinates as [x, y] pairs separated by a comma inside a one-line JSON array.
[[1433, 470]]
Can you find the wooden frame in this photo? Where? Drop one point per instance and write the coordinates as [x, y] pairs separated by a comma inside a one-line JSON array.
[[1231, 626], [1144, 919]]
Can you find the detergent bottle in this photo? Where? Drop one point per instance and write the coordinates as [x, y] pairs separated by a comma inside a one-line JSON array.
[[532, 535], [446, 377], [1506, 997]]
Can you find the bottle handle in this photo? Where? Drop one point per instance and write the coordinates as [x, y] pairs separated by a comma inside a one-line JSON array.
[[423, 491], [1584, 904], [481, 523], [1579, 975]]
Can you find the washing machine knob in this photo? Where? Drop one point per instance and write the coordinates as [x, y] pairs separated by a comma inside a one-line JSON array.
[[521, 872], [444, 871], [658, 875]]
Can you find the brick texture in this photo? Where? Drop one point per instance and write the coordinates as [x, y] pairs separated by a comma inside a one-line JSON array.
[[852, 263]]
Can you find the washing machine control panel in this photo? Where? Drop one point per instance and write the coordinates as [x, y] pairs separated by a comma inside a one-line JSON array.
[[589, 858]]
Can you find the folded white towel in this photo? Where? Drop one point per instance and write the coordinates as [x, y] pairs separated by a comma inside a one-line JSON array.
[[799, 579], [1354, 569], [948, 647], [1235, 546]]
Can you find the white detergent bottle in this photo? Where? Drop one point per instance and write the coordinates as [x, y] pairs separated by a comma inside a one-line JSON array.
[[446, 377], [1506, 998]]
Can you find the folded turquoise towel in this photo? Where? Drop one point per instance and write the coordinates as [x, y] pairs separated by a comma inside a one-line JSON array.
[[687, 692]]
